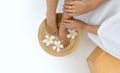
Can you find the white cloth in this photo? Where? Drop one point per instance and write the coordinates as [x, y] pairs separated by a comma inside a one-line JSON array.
[[108, 16]]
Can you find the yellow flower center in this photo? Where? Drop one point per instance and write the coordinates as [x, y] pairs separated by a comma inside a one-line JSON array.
[[48, 39], [71, 33], [57, 46]]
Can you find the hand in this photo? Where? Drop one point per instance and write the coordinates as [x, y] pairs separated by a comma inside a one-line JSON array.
[[75, 8], [75, 24], [79, 25]]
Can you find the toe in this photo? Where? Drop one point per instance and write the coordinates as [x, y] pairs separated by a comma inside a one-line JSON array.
[[65, 42]]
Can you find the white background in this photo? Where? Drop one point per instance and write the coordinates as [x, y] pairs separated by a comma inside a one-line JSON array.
[[19, 47]]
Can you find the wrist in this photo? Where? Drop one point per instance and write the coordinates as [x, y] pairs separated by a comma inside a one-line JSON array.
[[86, 27], [91, 28], [94, 3]]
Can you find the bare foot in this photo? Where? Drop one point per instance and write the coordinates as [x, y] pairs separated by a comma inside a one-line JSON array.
[[62, 35], [52, 27]]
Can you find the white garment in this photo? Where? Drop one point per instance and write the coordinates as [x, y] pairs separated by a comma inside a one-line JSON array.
[[108, 16]]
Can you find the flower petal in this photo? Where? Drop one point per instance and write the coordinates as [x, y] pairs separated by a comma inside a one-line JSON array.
[[45, 40], [52, 37], [61, 46], [58, 50], [55, 42], [69, 30], [47, 44], [51, 42], [54, 47], [58, 42], [68, 36], [75, 33], [46, 36], [73, 37], [73, 30]]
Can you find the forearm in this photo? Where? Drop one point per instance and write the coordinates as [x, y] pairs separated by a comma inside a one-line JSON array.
[[91, 28], [95, 3], [51, 6]]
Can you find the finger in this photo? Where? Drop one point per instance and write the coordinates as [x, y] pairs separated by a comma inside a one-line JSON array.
[[69, 3], [68, 11], [67, 25], [67, 21], [68, 7]]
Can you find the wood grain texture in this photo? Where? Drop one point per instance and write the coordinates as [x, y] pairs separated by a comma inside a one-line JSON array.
[[101, 62]]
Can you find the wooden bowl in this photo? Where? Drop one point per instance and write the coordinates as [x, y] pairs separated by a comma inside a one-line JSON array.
[[65, 51]]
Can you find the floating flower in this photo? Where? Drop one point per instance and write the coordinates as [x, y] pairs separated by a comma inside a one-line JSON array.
[[48, 40], [58, 46], [72, 34]]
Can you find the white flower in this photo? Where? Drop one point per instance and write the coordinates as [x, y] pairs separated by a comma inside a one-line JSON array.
[[72, 34], [48, 40], [58, 46]]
